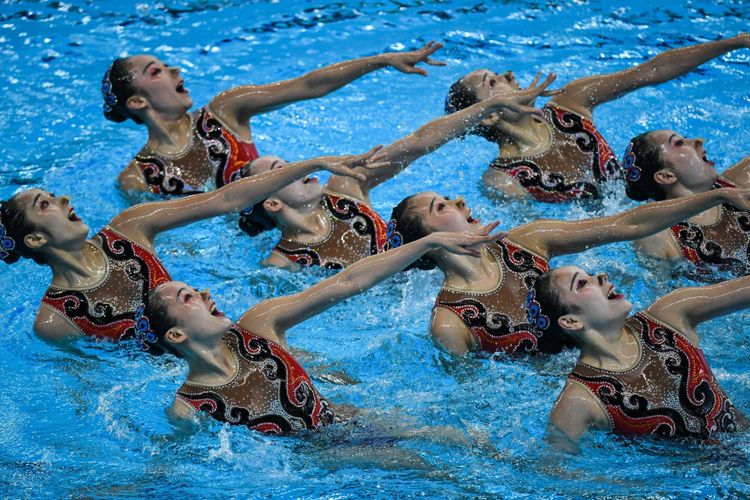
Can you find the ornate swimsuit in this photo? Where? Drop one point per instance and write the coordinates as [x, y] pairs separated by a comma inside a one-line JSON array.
[[107, 310], [270, 393], [577, 160], [725, 243], [357, 231], [497, 318], [213, 158], [671, 391]]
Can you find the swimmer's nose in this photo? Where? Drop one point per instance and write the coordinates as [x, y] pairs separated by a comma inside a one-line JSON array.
[[602, 277], [64, 199]]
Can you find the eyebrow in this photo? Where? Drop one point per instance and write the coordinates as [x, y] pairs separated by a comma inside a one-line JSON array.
[[671, 137], [573, 280], [149, 64], [273, 165], [432, 202], [35, 199], [179, 292], [484, 78]]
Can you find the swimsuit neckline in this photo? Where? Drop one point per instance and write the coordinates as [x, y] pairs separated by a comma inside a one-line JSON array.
[[500, 280], [232, 379], [185, 150], [635, 365], [99, 282]]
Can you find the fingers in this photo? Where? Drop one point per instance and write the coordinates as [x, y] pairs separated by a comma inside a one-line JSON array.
[[376, 165], [549, 93], [546, 83], [433, 62], [431, 48], [536, 79], [488, 228]]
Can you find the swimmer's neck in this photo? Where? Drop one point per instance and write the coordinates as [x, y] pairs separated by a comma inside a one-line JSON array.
[[611, 348], [210, 362], [526, 136], [308, 224], [467, 271], [168, 134], [78, 266]]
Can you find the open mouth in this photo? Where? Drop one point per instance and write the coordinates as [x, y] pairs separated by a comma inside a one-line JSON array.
[[181, 87], [613, 295], [72, 216], [214, 311], [472, 220], [308, 180], [705, 159]]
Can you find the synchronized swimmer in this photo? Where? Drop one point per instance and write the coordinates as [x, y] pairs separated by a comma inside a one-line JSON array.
[[643, 374]]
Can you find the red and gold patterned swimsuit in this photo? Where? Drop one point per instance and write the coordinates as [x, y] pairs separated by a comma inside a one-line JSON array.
[[107, 310], [576, 162], [670, 392], [212, 159], [270, 393], [497, 318], [725, 243], [357, 231]]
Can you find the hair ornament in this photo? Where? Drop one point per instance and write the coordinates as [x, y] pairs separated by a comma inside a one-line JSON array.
[[632, 171], [143, 333], [110, 99], [7, 244], [394, 237], [534, 312]]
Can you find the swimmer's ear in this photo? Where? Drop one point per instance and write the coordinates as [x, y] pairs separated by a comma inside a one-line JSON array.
[[136, 103], [490, 120], [175, 336], [570, 322], [273, 205], [665, 177], [35, 240]]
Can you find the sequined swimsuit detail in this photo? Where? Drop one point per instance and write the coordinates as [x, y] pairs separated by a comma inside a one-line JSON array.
[[725, 243], [212, 159], [496, 318], [671, 391], [357, 231], [107, 310], [270, 393], [576, 162]]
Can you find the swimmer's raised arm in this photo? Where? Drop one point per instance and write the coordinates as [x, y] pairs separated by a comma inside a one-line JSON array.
[[434, 134], [739, 173], [550, 237], [237, 105], [584, 94], [143, 222], [686, 308], [271, 318]]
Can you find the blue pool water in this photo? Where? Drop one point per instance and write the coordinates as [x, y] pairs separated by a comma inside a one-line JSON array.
[[89, 420]]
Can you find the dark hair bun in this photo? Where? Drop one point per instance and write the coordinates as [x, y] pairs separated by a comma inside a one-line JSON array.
[[256, 220]]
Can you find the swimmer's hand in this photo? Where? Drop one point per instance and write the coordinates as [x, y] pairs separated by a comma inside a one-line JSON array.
[[466, 242], [406, 62], [347, 165], [737, 197], [522, 100]]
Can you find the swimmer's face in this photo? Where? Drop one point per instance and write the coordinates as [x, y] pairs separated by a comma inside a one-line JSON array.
[[486, 83], [54, 219], [686, 158], [160, 85], [598, 302], [196, 315], [301, 192], [443, 213]]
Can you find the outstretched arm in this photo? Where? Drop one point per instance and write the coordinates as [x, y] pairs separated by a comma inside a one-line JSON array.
[[143, 222], [271, 318], [583, 95], [550, 237], [739, 173], [436, 133], [686, 308], [237, 105]]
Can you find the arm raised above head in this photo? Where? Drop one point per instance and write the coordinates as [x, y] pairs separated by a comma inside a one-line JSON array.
[[272, 318], [739, 173], [584, 94], [550, 237], [237, 105]]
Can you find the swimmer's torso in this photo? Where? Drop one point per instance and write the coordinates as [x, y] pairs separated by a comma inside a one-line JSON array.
[[576, 162], [107, 310], [356, 232], [270, 393], [213, 157], [725, 243], [671, 391], [497, 318]]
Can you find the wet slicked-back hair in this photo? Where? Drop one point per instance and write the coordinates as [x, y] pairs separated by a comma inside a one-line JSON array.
[[254, 220], [121, 87], [553, 339], [409, 225], [160, 321], [17, 226], [646, 160], [461, 96]]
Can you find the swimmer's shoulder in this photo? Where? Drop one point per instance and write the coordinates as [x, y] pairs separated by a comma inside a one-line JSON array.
[[53, 326], [661, 245]]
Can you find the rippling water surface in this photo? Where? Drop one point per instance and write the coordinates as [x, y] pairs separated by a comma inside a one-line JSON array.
[[90, 421]]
